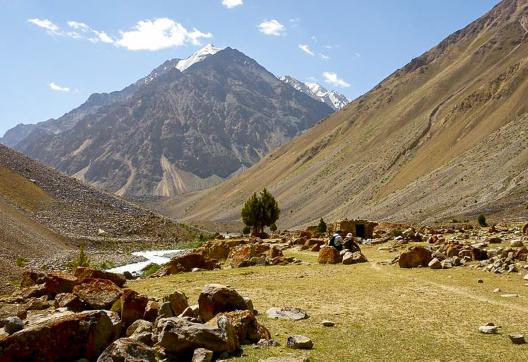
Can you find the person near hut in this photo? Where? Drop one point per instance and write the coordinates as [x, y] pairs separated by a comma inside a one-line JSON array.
[[350, 244], [336, 241]]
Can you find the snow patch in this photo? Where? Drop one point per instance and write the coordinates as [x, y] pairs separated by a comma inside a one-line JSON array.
[[197, 57]]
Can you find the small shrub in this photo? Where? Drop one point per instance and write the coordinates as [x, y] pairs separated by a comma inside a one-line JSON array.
[[246, 230], [21, 262], [396, 232], [482, 220], [321, 227], [81, 260], [273, 227]]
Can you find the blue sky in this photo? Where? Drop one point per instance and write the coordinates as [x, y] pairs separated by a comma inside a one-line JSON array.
[[56, 53]]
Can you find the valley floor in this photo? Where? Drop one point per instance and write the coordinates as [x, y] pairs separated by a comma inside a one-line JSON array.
[[382, 312]]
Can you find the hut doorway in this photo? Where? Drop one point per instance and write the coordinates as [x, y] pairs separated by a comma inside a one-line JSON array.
[[360, 230]]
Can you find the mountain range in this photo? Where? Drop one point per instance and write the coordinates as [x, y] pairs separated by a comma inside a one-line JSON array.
[[442, 138], [188, 125], [334, 99]]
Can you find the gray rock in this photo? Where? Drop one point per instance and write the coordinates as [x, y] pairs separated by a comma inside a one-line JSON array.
[[202, 355], [489, 329], [165, 310], [139, 326], [13, 324], [517, 338], [178, 335], [435, 264], [287, 313], [267, 343], [299, 342], [126, 349]]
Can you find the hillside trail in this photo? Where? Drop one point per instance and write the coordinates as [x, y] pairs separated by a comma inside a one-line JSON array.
[[449, 288]]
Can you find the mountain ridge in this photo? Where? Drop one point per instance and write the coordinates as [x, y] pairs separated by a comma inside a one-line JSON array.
[[392, 153]]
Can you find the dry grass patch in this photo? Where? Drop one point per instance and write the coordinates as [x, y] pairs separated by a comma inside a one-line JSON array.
[[381, 312], [21, 191]]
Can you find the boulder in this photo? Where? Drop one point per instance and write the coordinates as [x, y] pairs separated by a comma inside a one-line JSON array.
[[299, 342], [327, 323], [246, 326], [517, 338], [517, 243], [70, 301], [165, 310], [152, 310], [328, 255], [218, 249], [435, 264], [139, 326], [202, 355], [489, 329], [275, 251], [354, 258], [414, 257], [177, 335], [117, 327], [13, 324], [31, 278], [178, 302], [61, 338], [83, 273], [133, 306], [186, 263], [287, 313], [246, 255], [217, 298], [521, 254], [97, 293], [128, 350], [60, 282], [39, 303]]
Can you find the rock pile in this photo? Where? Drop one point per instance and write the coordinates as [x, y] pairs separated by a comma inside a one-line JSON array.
[[96, 319], [244, 253], [330, 255]]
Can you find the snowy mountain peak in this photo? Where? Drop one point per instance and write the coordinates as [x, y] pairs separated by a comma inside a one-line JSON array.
[[316, 91], [197, 56]]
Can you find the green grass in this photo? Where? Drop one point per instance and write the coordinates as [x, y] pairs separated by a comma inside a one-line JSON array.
[[381, 312]]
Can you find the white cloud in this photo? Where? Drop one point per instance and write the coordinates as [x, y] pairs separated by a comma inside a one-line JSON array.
[[305, 48], [333, 79], [150, 35], [159, 34], [323, 56], [231, 3], [92, 35], [45, 24], [272, 27], [58, 88]]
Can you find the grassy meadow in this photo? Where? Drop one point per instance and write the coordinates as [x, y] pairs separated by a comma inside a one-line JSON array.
[[381, 312]]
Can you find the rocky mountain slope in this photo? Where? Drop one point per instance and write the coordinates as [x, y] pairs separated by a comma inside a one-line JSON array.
[[333, 99], [443, 137], [45, 214], [188, 125]]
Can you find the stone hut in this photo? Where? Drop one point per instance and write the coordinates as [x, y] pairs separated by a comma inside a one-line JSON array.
[[359, 228]]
